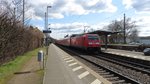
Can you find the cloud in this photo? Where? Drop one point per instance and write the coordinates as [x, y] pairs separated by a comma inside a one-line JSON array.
[[67, 26], [143, 24], [127, 3], [63, 8], [138, 5], [56, 15], [59, 30], [143, 5]]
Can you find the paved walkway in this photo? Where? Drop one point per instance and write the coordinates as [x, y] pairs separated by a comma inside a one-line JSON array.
[[61, 68], [56, 71]]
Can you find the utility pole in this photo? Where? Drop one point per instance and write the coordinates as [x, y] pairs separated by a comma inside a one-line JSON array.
[[46, 26], [47, 16], [124, 31], [23, 14], [45, 20], [46, 39]]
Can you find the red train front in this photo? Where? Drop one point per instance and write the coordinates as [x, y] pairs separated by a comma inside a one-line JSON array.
[[88, 42]]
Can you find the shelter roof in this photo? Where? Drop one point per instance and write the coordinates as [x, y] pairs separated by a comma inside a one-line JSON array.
[[103, 32]]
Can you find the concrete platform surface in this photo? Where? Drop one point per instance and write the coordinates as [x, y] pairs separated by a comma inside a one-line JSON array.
[[61, 68], [132, 54]]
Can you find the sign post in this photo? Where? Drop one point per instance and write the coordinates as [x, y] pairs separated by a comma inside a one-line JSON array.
[[46, 39]]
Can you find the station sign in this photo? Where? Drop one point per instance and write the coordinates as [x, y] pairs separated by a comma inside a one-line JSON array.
[[47, 31]]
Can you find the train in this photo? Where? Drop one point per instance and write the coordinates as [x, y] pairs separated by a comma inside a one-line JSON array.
[[87, 42]]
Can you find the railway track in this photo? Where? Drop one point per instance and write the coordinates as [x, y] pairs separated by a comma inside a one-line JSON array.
[[125, 73], [143, 68], [115, 70]]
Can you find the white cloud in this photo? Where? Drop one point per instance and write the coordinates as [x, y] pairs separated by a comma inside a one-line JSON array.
[[143, 5], [31, 14], [59, 30], [56, 15], [127, 3], [63, 8], [143, 25], [138, 5]]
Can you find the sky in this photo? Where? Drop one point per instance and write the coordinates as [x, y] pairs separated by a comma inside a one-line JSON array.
[[72, 16]]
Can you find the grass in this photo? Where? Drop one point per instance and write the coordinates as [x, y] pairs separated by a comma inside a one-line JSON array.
[[40, 74], [7, 70]]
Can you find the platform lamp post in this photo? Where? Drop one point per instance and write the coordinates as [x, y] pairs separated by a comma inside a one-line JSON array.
[[47, 15], [46, 27]]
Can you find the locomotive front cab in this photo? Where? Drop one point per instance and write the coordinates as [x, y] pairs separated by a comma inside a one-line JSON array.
[[93, 42]]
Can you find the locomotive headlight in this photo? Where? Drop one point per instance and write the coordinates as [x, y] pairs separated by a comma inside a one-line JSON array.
[[90, 43], [97, 43]]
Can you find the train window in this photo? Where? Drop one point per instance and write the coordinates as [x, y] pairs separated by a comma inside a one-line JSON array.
[[92, 37]]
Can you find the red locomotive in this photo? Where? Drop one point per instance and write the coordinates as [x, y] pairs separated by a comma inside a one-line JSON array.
[[88, 42]]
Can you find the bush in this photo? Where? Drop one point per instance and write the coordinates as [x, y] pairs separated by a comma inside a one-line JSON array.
[[16, 39]]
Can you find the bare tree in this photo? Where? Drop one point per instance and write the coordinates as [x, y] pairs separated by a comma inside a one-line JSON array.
[[15, 9], [117, 26], [134, 35], [15, 39]]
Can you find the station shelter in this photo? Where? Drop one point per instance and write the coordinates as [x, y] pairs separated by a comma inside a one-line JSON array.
[[104, 34]]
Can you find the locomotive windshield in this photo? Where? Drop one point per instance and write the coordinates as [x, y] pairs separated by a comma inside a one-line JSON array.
[[92, 37]]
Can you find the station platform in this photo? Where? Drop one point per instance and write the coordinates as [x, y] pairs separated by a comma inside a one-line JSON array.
[[132, 54], [61, 68]]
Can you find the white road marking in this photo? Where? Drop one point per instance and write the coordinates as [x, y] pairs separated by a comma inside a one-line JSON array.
[[142, 57], [69, 60], [65, 57], [128, 55], [135, 56], [111, 52], [83, 74], [117, 53], [77, 68], [73, 64], [148, 58], [123, 54], [96, 81]]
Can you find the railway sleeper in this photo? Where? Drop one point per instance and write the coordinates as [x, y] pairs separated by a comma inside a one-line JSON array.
[[118, 81], [112, 78], [108, 76], [106, 73], [101, 71]]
